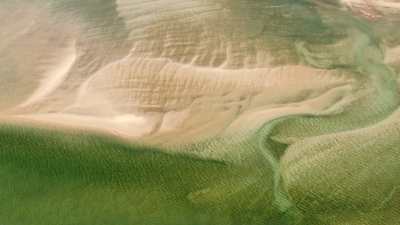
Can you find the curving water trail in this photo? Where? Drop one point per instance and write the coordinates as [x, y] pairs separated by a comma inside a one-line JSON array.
[[380, 97], [199, 112]]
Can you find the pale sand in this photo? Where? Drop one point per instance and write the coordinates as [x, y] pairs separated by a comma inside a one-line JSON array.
[[178, 81], [373, 9], [53, 78], [127, 126], [185, 82], [223, 100], [393, 55], [194, 70]]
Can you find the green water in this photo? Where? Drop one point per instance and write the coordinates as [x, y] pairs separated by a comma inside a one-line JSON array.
[[50, 177], [72, 177]]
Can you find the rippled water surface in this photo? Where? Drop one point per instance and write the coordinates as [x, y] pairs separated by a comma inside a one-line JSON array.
[[199, 112]]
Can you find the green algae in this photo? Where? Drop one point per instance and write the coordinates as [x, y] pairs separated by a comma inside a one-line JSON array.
[[55, 177]]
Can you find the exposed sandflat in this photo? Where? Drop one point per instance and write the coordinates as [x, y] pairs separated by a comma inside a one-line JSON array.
[[53, 78], [263, 112]]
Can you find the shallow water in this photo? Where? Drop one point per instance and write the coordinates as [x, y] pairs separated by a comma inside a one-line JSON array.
[[199, 112]]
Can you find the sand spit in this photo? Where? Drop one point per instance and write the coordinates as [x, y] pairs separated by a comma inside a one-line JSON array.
[[126, 126], [215, 81], [53, 78], [140, 100], [373, 9], [156, 89]]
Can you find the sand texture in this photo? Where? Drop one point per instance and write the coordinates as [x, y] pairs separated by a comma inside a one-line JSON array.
[[199, 112]]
